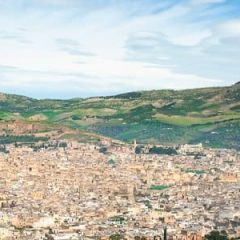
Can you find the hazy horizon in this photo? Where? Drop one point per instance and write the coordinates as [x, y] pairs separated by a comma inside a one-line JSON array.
[[68, 48], [110, 94]]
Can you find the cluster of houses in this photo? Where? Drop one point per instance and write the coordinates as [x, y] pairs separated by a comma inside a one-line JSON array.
[[93, 191]]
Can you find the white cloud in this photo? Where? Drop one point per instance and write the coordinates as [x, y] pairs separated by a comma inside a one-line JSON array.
[[229, 28], [200, 2], [74, 47]]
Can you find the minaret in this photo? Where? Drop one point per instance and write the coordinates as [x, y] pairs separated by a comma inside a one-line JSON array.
[[131, 193], [169, 165], [135, 143], [149, 177], [80, 192]]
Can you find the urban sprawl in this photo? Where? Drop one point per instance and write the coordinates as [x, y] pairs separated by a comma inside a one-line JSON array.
[[70, 190]]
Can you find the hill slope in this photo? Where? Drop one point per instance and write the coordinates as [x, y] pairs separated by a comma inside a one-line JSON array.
[[208, 115]]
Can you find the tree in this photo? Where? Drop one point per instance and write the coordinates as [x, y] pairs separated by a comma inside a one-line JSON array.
[[115, 236], [162, 150], [103, 150], [140, 238], [137, 238], [48, 237], [139, 149], [216, 235], [62, 144]]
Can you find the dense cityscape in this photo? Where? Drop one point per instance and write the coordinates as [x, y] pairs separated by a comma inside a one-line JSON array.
[[70, 190]]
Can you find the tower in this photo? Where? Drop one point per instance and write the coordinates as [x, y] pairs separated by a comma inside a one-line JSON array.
[[149, 177], [131, 193], [135, 143], [169, 165], [80, 191]]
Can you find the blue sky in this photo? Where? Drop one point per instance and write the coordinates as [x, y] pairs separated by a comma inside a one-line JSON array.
[[81, 48]]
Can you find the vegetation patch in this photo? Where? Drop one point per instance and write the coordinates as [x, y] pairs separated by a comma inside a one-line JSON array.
[[198, 172], [117, 219], [8, 139], [208, 115], [158, 187], [111, 162], [162, 150]]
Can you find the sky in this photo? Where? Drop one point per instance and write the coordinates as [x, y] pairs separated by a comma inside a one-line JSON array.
[[83, 48]]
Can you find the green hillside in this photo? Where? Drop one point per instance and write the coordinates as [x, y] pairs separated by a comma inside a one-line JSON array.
[[207, 115]]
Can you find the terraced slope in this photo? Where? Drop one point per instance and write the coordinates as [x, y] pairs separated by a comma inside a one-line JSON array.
[[208, 115]]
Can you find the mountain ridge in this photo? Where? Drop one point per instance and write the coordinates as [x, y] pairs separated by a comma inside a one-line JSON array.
[[119, 94], [166, 116]]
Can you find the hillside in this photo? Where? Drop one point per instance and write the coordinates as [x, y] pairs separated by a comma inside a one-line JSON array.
[[207, 115]]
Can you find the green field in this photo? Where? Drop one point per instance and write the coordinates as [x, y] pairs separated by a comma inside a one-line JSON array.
[[186, 121]]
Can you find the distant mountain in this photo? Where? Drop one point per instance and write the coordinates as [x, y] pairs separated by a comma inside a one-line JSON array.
[[207, 115]]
